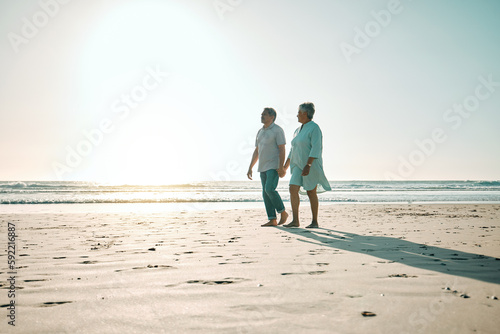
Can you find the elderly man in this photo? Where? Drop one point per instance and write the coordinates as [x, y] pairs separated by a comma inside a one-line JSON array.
[[270, 151]]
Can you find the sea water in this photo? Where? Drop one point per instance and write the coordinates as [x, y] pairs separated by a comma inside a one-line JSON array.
[[71, 192]]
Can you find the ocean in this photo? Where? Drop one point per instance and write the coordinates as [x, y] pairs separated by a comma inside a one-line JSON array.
[[193, 194]]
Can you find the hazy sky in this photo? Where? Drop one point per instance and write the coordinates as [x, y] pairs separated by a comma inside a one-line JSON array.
[[170, 91]]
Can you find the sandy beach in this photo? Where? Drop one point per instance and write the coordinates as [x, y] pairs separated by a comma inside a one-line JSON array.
[[431, 268]]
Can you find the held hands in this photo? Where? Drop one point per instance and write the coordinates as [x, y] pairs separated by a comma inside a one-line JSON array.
[[281, 172]]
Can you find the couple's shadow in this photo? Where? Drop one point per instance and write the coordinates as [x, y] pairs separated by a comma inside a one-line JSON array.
[[442, 260]]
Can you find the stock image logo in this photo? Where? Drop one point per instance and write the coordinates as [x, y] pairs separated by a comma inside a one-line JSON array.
[[32, 26]]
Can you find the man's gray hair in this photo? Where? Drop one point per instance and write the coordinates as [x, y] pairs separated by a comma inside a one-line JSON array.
[[271, 112], [308, 107]]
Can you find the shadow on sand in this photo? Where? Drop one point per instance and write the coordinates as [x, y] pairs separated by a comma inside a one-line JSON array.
[[442, 260]]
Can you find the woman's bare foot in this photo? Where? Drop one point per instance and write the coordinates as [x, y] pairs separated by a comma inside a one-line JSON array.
[[284, 217], [292, 224], [314, 224], [272, 222]]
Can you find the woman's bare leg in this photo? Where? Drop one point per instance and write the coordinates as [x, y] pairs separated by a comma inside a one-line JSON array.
[[313, 199], [295, 201]]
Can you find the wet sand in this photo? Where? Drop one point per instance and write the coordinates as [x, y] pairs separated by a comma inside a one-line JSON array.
[[431, 268]]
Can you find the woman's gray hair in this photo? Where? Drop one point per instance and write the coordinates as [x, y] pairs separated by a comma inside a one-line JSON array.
[[308, 107]]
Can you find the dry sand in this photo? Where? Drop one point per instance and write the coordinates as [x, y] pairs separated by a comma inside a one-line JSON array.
[[419, 268]]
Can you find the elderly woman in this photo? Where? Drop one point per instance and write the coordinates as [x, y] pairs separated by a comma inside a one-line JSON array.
[[306, 164]]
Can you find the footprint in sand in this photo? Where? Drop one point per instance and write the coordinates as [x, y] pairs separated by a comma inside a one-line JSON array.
[[188, 252], [149, 266], [402, 276], [48, 304], [210, 282], [225, 281], [319, 272]]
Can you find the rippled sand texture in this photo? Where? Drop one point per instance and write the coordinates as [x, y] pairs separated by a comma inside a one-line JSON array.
[[410, 268]]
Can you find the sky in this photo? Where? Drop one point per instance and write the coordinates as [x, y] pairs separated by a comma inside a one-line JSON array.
[[171, 91]]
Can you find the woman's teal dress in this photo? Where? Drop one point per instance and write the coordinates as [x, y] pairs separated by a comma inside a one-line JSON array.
[[308, 142]]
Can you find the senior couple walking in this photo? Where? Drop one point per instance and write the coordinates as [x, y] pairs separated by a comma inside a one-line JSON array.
[[304, 160]]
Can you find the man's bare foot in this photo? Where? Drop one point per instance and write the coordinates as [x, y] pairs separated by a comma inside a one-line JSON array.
[[292, 224], [284, 217], [272, 222], [314, 224]]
